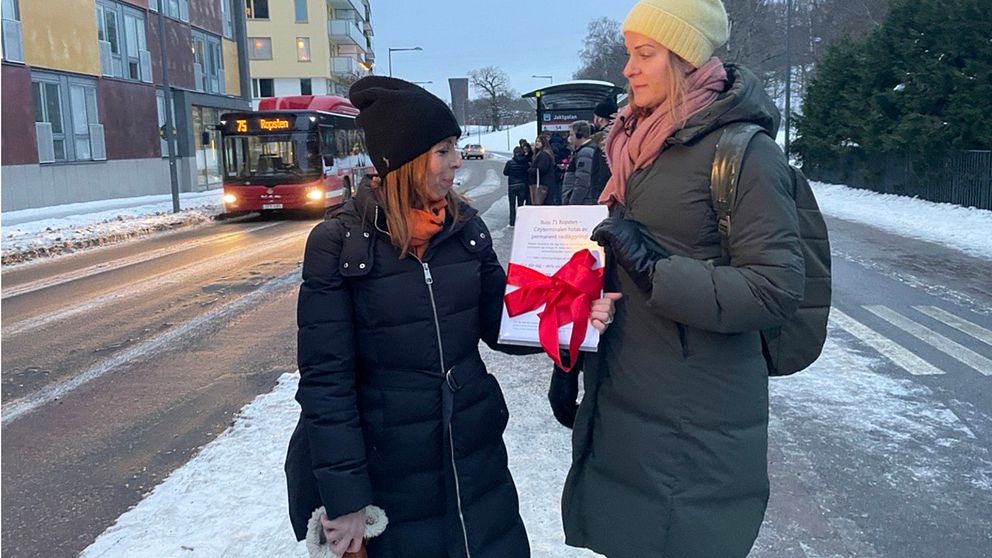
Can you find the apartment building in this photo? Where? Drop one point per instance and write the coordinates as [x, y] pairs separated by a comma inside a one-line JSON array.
[[83, 98], [308, 47]]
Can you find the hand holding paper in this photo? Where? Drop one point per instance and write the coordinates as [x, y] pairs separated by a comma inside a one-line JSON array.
[[554, 276]]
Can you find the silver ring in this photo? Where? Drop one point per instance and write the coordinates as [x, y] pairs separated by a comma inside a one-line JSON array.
[[608, 322]]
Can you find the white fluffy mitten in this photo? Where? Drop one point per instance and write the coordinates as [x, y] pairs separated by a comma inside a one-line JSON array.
[[317, 547]]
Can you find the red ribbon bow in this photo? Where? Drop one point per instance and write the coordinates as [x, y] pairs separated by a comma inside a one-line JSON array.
[[567, 296]]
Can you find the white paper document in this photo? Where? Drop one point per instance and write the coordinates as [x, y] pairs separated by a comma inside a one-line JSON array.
[[545, 239]]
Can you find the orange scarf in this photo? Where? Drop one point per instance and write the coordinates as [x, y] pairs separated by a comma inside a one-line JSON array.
[[424, 224]]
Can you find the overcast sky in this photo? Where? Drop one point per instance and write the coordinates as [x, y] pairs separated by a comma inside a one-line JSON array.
[[537, 37]]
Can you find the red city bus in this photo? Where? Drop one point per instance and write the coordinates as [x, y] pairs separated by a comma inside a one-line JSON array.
[[302, 152]]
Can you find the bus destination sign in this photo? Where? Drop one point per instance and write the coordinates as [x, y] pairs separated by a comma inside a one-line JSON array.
[[261, 124]]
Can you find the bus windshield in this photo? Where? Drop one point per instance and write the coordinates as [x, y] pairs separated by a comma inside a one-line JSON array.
[[272, 159]]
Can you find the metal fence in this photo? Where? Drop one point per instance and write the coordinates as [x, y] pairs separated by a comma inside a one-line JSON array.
[[963, 178]]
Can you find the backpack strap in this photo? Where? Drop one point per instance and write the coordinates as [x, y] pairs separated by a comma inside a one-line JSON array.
[[726, 173]]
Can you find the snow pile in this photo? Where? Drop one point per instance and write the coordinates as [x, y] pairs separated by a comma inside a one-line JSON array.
[[964, 228], [48, 231], [497, 141]]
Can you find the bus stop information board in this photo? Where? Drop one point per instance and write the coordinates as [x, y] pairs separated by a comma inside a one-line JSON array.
[[560, 120]]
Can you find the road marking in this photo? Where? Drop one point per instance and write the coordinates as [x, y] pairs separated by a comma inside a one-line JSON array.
[[938, 341], [16, 409], [888, 348], [941, 315], [149, 284], [104, 267]]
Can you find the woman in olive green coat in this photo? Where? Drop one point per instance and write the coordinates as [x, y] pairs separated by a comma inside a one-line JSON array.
[[670, 440]]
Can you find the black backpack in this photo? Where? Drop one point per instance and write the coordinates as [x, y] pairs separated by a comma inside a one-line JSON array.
[[797, 343]]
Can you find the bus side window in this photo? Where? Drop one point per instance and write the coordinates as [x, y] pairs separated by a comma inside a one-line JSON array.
[[328, 145]]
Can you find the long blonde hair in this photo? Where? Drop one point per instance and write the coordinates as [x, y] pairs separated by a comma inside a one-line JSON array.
[[678, 91], [402, 190]]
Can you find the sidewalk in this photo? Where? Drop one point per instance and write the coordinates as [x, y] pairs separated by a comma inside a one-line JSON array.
[[46, 231]]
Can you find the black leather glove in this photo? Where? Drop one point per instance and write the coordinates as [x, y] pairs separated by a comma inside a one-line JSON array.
[[563, 393], [633, 246]]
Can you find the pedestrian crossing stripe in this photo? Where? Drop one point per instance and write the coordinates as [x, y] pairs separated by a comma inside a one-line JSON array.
[[941, 315], [904, 358], [888, 348]]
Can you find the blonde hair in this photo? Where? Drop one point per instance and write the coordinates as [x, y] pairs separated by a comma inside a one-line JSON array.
[[677, 94], [402, 190]]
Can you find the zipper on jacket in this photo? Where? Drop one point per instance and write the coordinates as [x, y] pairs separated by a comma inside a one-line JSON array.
[[429, 280]]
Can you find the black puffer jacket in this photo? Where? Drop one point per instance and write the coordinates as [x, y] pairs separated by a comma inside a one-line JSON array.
[[516, 171], [376, 334]]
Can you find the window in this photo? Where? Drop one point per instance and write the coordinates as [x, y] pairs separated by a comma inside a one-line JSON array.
[[227, 15], [260, 49], [257, 9], [262, 87], [301, 11], [66, 119], [176, 9], [208, 66], [13, 50], [303, 49], [306, 86], [122, 38]]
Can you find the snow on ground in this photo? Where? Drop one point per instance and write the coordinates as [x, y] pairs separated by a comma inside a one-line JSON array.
[[47, 231], [965, 228], [502, 141]]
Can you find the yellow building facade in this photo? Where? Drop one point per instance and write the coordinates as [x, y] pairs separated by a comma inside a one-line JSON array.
[[304, 47]]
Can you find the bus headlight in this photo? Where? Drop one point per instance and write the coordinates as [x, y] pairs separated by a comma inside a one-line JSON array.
[[230, 199], [315, 195]]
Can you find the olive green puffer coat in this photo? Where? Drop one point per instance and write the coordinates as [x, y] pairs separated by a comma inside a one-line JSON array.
[[670, 441]]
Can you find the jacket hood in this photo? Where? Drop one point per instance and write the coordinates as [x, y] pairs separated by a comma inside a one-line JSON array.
[[744, 100]]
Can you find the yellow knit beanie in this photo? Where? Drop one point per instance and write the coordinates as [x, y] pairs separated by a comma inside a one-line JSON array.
[[693, 29]]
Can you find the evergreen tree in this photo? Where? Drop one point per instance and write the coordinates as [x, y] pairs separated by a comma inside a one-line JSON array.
[[920, 85]]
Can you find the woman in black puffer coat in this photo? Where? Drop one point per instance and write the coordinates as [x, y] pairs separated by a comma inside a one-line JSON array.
[[397, 408], [516, 172]]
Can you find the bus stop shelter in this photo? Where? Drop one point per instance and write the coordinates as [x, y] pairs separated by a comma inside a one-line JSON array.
[[560, 104]]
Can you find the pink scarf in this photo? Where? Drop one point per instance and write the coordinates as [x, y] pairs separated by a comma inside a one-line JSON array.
[[628, 153]]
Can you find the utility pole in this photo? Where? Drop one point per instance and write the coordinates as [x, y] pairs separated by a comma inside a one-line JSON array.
[[788, 74], [170, 137]]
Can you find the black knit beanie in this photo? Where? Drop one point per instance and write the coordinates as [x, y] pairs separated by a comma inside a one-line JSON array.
[[606, 108], [401, 120]]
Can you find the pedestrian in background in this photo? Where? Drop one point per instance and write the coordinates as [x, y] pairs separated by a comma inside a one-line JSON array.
[[587, 172], [516, 172], [528, 150], [541, 173], [561, 150], [602, 121], [670, 440], [397, 409]]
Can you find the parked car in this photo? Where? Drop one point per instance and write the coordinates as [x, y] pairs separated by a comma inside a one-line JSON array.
[[473, 151]]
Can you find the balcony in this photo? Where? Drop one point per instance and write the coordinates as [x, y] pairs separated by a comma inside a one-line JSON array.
[[344, 66], [343, 5], [367, 27], [345, 31]]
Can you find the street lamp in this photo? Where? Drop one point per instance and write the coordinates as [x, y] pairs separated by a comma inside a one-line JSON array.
[[390, 56], [545, 77]]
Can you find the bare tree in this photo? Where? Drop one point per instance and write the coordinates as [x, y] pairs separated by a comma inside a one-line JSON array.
[[494, 84], [604, 55]]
